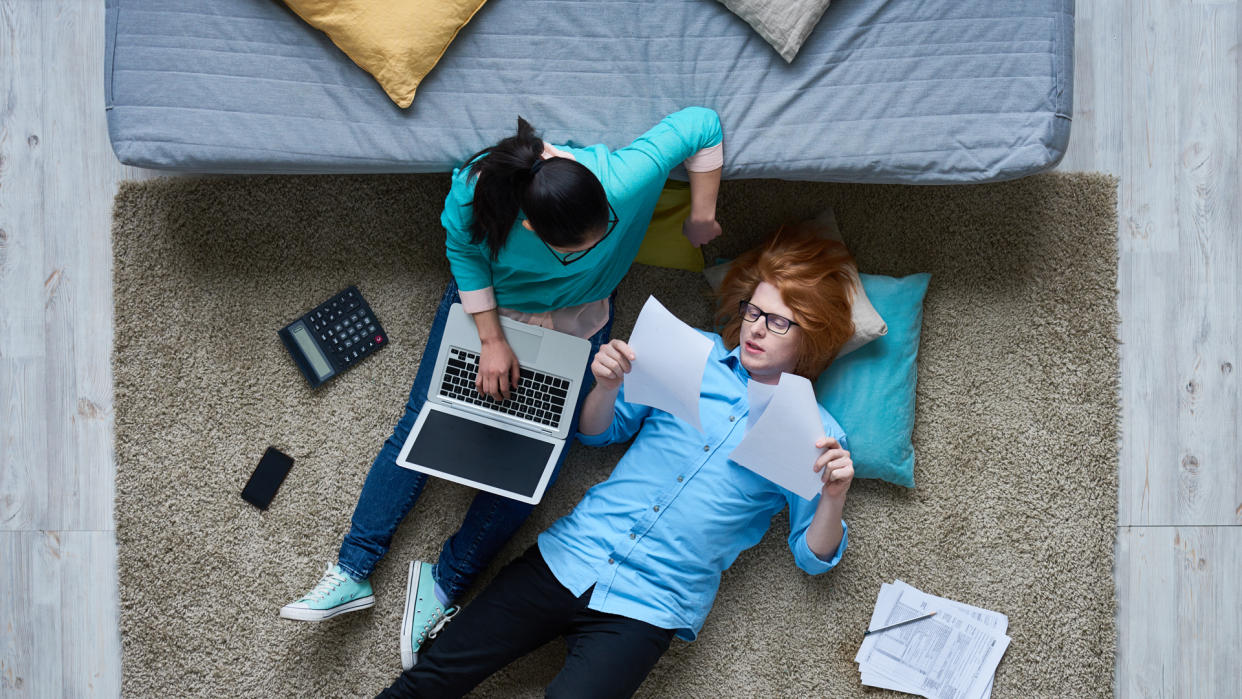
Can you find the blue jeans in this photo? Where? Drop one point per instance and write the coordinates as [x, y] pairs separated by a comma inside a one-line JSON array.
[[390, 491]]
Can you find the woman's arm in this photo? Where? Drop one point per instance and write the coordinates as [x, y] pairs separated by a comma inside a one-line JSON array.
[[702, 226], [692, 136], [468, 261], [498, 365], [472, 269]]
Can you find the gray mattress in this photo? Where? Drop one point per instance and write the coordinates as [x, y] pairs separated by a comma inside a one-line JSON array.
[[928, 92]]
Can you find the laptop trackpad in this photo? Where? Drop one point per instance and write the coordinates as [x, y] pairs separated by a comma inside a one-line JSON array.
[[481, 453], [525, 344]]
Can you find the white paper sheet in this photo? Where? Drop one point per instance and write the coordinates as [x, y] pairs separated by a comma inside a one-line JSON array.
[[780, 446], [758, 395], [953, 654], [669, 359]]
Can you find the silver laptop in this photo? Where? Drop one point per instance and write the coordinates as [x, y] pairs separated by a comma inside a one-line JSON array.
[[509, 448]]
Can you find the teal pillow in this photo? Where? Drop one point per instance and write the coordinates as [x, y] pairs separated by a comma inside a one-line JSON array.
[[870, 391]]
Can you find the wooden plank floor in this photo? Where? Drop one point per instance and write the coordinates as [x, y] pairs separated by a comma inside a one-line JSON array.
[[1156, 103]]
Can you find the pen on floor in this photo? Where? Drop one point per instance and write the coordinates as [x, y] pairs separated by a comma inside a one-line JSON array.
[[900, 623]]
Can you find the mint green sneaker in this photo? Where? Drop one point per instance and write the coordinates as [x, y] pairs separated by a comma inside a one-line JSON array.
[[335, 593], [424, 616]]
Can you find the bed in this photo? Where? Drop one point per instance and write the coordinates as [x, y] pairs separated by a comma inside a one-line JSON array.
[[930, 92]]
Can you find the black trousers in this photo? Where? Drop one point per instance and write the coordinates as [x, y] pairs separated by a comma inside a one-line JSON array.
[[522, 609]]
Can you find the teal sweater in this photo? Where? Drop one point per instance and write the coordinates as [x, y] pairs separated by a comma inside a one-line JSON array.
[[525, 276]]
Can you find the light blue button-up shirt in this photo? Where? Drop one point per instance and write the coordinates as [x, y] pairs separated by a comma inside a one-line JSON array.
[[654, 538]]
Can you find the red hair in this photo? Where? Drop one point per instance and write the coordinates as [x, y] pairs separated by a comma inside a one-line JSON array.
[[815, 277]]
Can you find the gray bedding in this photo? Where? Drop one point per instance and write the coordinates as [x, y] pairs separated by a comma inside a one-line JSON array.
[[928, 92]]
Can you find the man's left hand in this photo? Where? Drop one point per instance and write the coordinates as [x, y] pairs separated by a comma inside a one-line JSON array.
[[835, 468]]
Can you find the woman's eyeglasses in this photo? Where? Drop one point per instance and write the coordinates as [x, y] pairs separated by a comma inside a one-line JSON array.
[[576, 255], [777, 324]]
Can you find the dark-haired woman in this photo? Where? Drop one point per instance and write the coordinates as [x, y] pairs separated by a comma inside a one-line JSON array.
[[542, 234]]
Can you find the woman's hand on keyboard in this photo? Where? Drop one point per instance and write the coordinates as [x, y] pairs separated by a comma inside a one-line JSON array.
[[498, 370], [611, 364]]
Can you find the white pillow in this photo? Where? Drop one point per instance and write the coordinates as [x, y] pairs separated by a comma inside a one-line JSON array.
[[868, 325], [785, 24]]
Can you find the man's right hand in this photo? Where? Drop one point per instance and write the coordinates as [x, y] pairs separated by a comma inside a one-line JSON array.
[[498, 369], [611, 364]]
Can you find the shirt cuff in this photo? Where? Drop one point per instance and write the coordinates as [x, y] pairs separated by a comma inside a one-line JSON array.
[[478, 300], [596, 440], [706, 160], [816, 565]]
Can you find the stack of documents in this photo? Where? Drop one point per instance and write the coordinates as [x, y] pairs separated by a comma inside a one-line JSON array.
[[952, 654]]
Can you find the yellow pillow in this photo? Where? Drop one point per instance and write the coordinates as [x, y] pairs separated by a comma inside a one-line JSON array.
[[665, 245], [398, 41]]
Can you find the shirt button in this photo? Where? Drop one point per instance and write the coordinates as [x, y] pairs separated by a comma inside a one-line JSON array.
[[632, 535], [707, 447], [656, 508], [610, 561], [732, 418], [680, 479]]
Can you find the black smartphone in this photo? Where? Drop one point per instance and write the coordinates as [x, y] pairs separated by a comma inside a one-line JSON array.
[[267, 477]]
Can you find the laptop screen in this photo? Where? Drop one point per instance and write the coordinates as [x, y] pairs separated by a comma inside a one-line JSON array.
[[480, 453]]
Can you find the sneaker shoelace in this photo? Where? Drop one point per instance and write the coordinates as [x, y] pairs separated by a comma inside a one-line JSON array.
[[436, 624], [326, 586]]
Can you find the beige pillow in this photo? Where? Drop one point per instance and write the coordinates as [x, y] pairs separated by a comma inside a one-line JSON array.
[[397, 41], [868, 325], [785, 24]]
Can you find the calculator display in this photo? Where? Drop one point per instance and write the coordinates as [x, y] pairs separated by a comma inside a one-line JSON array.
[[317, 361]]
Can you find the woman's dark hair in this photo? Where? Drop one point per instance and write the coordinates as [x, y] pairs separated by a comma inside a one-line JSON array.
[[563, 200]]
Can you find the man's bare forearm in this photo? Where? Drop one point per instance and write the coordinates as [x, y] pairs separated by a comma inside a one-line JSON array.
[[598, 409], [824, 534]]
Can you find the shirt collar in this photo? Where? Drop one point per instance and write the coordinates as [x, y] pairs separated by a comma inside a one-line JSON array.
[[733, 360]]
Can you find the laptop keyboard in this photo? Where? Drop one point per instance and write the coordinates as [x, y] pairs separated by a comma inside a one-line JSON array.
[[539, 397]]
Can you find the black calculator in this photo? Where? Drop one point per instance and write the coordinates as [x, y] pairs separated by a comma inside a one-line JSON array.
[[336, 335]]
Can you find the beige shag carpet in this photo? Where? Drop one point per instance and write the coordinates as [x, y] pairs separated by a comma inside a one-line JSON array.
[[1016, 436]]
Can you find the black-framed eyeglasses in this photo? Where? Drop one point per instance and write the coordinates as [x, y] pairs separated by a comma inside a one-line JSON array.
[[571, 257], [777, 324]]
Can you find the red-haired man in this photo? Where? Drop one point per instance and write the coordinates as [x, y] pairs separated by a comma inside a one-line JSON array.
[[639, 559]]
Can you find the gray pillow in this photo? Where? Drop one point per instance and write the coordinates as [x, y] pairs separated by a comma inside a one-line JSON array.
[[868, 325], [785, 24]]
